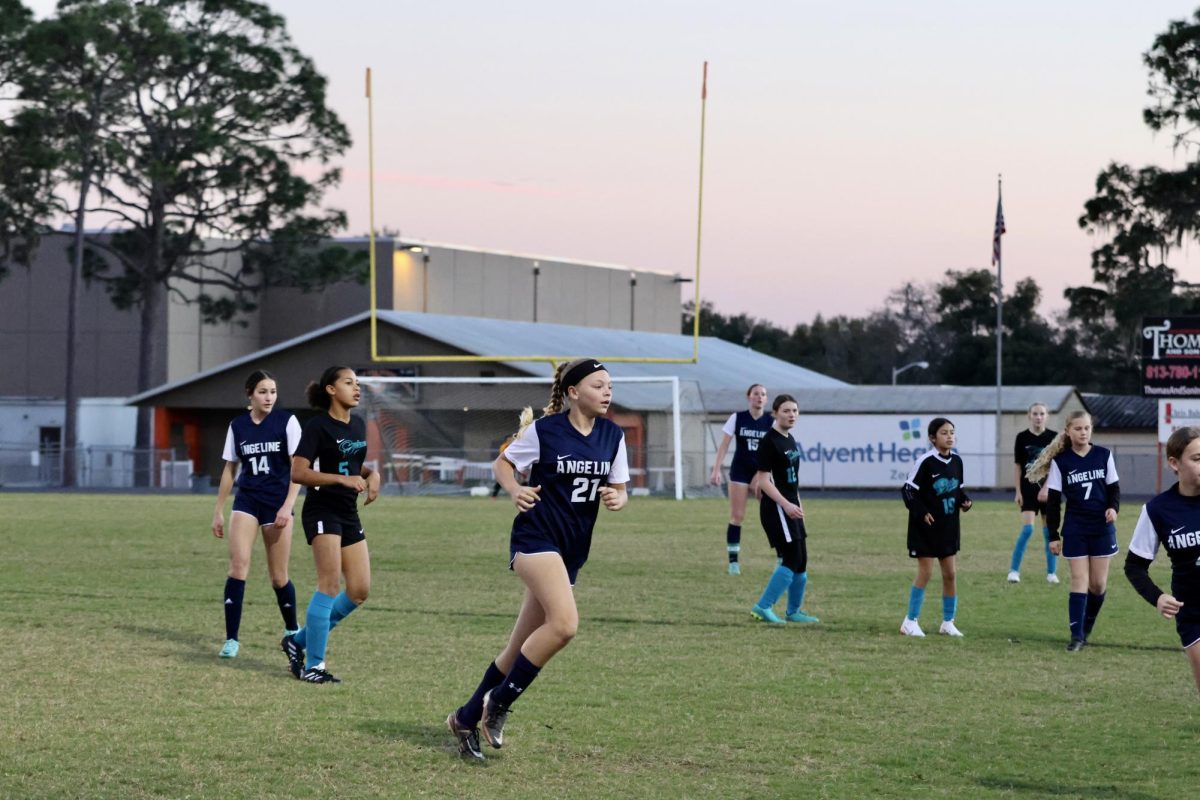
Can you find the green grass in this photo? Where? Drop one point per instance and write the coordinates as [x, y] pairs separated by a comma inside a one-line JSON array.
[[112, 686]]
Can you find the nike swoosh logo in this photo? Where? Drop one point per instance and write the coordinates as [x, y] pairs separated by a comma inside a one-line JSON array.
[[339, 441], [560, 458], [936, 475], [1177, 530], [597, 366]]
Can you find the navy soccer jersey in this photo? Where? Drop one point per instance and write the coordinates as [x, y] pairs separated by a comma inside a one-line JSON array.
[[570, 468], [1172, 521], [777, 454], [335, 448], [1084, 483], [265, 451], [747, 433]]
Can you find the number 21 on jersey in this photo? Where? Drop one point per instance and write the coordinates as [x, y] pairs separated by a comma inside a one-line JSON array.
[[581, 493]]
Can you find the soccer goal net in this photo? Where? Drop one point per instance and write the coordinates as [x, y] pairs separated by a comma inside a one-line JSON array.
[[440, 435]]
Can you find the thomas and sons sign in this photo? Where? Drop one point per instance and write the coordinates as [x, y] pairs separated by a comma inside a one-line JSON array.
[[1171, 356]]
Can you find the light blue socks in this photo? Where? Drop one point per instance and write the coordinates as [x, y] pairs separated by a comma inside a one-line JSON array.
[[949, 607], [781, 581], [342, 606], [316, 628], [1051, 559], [796, 592], [916, 599], [1019, 550]]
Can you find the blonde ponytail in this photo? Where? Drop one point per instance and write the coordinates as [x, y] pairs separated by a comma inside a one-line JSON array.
[[557, 396], [1039, 468]]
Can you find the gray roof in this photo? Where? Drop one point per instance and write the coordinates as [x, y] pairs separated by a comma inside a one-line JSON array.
[[930, 399], [1122, 412], [724, 369]]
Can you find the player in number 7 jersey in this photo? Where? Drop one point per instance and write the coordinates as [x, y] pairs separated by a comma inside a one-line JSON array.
[[1086, 477], [575, 460]]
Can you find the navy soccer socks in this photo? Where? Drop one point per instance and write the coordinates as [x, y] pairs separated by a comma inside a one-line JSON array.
[[285, 596], [1094, 601], [1077, 603], [471, 712], [733, 541], [515, 682], [234, 590]]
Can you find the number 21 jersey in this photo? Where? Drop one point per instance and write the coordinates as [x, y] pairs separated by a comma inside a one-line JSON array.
[[570, 468]]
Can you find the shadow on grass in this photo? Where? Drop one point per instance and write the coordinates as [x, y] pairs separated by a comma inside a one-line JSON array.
[[421, 735], [195, 650], [1047, 789]]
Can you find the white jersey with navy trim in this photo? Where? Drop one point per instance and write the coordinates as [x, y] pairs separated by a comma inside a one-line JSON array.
[[264, 449], [570, 468], [1083, 482], [1172, 521]]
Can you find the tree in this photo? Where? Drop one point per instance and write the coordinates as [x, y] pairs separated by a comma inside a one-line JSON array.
[[80, 67], [200, 159], [1148, 214]]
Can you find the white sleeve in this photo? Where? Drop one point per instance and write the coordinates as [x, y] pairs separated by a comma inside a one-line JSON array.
[[525, 450], [912, 473], [620, 466], [293, 434], [230, 453], [730, 428], [1111, 477], [1054, 477], [1145, 541]]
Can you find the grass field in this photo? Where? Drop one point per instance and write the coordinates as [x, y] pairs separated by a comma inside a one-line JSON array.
[[113, 688]]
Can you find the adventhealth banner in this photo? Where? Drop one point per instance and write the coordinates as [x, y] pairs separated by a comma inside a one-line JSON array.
[[878, 450]]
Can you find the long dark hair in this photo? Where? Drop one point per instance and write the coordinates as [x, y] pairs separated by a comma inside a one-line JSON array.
[[257, 377], [936, 425], [1180, 439], [780, 399], [315, 393]]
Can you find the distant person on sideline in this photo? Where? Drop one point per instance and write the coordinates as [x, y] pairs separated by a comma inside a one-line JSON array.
[[1028, 445], [778, 486], [747, 428], [934, 495]]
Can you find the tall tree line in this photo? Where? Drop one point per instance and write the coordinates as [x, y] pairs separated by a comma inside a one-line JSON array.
[[1144, 219]]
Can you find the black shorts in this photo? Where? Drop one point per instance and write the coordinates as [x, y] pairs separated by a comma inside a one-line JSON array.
[[781, 529], [1029, 501], [262, 508], [741, 473], [931, 541], [319, 521], [1189, 632]]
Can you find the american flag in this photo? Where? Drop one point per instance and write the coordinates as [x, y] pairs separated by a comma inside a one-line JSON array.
[[1000, 231]]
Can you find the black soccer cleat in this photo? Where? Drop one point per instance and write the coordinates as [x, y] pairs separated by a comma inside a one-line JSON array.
[[468, 738], [492, 724], [1075, 645], [318, 675], [294, 653]]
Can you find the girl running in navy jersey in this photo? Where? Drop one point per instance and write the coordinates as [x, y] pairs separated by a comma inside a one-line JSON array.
[[777, 485], [1172, 520], [1086, 477], [747, 428], [1028, 445], [262, 440], [329, 461], [575, 460], [934, 496]]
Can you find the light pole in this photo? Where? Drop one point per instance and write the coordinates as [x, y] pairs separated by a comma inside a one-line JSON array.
[[897, 370]]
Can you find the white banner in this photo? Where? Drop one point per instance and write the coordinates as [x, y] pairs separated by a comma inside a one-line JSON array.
[[878, 450], [1176, 414]]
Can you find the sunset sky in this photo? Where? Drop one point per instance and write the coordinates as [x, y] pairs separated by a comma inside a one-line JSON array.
[[851, 147]]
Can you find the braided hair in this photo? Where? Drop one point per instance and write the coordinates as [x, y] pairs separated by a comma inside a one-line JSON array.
[[558, 395], [1040, 466]]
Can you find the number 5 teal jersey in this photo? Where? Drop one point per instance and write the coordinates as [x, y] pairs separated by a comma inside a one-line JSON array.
[[570, 468], [335, 448], [935, 487]]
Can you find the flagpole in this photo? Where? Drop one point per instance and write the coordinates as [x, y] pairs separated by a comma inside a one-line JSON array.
[[699, 220], [999, 316], [371, 212]]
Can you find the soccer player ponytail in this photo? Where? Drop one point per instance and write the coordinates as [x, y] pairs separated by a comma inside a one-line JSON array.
[[1040, 466], [557, 395], [316, 395]]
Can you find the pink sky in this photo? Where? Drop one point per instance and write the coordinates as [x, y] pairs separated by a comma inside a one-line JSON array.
[[850, 148]]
